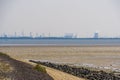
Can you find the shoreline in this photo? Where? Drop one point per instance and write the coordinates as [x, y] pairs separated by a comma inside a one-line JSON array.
[[58, 45], [91, 66], [107, 57], [83, 72]]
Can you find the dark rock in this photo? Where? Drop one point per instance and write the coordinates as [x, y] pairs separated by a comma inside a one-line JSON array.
[[81, 72]]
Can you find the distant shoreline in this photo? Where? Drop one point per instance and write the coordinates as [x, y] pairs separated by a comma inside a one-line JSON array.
[[56, 45], [54, 38]]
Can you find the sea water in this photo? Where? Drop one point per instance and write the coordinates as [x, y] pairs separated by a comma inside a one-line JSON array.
[[58, 42]]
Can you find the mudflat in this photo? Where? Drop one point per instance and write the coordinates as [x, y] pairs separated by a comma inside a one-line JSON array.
[[94, 56]]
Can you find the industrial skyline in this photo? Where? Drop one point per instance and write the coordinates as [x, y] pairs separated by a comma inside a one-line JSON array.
[[31, 34], [42, 35], [81, 17]]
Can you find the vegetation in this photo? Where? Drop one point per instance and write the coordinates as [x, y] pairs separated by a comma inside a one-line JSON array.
[[40, 68], [12, 69], [5, 68], [3, 54]]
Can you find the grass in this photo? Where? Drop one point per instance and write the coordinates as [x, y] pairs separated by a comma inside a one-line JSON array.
[[5, 68], [3, 54], [12, 69], [40, 68]]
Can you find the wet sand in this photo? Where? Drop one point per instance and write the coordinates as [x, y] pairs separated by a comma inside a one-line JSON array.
[[107, 57]]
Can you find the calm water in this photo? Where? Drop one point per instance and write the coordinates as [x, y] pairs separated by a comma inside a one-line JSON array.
[[68, 42]]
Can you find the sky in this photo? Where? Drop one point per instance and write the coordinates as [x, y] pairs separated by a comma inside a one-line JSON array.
[[57, 17]]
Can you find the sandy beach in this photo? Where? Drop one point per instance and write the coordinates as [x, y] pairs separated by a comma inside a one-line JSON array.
[[94, 56]]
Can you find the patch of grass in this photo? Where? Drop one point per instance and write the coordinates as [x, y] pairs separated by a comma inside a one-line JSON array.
[[40, 68], [3, 54], [5, 67]]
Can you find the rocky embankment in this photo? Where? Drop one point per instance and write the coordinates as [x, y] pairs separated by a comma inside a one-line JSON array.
[[81, 71], [11, 69]]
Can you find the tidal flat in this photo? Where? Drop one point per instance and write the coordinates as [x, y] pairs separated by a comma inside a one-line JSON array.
[[104, 57]]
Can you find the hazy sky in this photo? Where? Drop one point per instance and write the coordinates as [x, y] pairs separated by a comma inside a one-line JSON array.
[[82, 17]]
